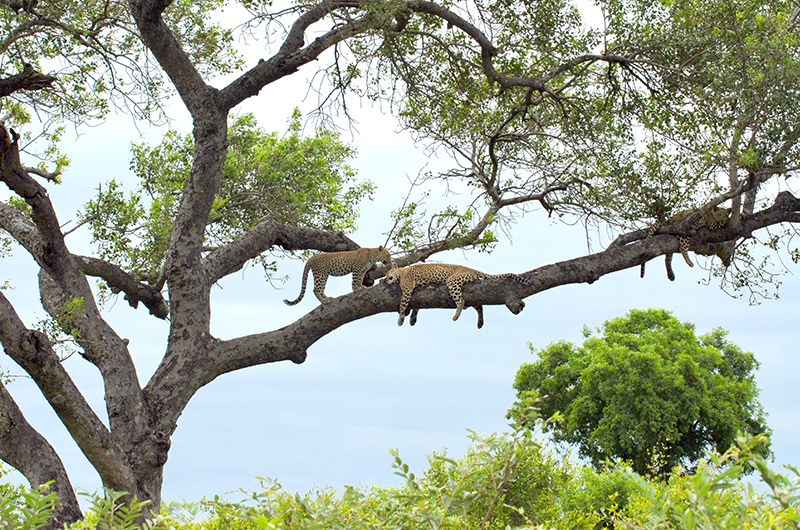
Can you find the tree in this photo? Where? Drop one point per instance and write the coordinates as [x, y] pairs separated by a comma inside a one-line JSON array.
[[648, 391], [672, 105]]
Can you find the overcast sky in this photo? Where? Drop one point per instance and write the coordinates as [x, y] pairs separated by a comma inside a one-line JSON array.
[[372, 386]]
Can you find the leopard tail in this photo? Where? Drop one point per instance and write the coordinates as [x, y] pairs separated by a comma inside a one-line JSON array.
[[668, 266], [511, 275], [303, 288]]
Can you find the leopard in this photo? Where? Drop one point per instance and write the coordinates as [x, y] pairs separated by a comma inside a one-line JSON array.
[[713, 219], [454, 276], [355, 262]]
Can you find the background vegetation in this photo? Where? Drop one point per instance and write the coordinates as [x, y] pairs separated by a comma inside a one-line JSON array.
[[516, 480], [504, 481], [646, 390]]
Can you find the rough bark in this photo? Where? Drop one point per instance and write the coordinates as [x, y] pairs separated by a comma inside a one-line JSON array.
[[28, 79], [27, 451]]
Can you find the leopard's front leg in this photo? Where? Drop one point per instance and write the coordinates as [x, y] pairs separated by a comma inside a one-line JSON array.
[[454, 284], [405, 299], [358, 277]]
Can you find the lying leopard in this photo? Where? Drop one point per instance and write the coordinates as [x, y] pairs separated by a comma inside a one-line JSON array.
[[454, 276], [355, 262], [713, 219]]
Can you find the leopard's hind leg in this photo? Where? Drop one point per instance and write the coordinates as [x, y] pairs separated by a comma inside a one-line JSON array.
[[320, 280], [406, 290]]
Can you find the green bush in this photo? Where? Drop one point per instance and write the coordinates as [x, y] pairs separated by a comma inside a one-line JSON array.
[[715, 497], [601, 495], [503, 481], [25, 509]]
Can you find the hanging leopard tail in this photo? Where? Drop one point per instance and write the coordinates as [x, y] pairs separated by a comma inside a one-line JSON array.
[[303, 288]]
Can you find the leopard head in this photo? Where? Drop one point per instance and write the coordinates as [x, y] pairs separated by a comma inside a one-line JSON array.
[[393, 276], [384, 256]]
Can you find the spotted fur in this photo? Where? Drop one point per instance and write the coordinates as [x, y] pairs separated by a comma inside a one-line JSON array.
[[713, 219], [454, 276], [355, 262]]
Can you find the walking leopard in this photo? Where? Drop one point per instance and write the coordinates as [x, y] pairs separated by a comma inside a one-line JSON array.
[[355, 262]]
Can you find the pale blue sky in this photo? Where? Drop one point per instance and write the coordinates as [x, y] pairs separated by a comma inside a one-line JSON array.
[[372, 386]]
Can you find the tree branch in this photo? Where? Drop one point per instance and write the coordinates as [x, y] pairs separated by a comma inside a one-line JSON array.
[[119, 280], [33, 352], [29, 79], [267, 234], [292, 55], [263, 348], [102, 346], [158, 38], [27, 451], [25, 233]]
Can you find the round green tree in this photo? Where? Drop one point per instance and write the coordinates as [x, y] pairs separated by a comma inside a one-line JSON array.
[[648, 390]]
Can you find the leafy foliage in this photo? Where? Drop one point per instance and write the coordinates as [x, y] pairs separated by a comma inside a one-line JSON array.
[[508, 143], [97, 56], [503, 481], [60, 329], [118, 511], [643, 109], [716, 497], [29, 509], [726, 109], [24, 509], [647, 391], [292, 179]]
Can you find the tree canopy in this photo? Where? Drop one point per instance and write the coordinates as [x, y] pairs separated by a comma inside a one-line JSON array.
[[615, 117], [291, 179], [648, 391]]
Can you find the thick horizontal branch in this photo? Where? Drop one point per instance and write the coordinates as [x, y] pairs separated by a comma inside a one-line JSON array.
[[291, 343], [269, 347], [120, 281], [28, 79], [269, 233]]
